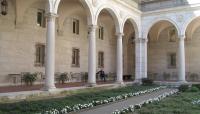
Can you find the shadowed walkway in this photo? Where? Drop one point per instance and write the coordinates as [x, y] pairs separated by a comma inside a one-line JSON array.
[[19, 88]]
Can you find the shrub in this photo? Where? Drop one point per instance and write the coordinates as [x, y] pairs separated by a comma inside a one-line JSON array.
[[63, 77], [147, 81], [194, 89], [196, 85], [85, 75], [183, 88], [29, 78]]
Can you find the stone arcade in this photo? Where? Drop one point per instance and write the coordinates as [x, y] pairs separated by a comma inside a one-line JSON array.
[[147, 38]]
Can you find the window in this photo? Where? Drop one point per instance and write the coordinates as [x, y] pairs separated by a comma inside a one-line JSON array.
[[75, 57], [40, 55], [101, 59], [101, 32], [41, 21], [76, 26], [172, 60]]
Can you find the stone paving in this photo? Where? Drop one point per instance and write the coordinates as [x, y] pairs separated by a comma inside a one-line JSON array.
[[21, 88], [108, 109]]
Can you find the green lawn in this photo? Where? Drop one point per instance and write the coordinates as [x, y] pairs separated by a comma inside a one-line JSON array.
[[177, 104], [30, 107]]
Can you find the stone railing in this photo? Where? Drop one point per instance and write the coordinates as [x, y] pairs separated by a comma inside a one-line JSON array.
[[162, 4]]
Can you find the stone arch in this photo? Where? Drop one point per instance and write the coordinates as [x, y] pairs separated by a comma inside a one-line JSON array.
[[114, 15], [53, 6], [187, 25], [160, 20], [134, 24]]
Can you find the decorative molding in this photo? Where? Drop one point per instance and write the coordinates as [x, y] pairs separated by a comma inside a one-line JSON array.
[[181, 37], [180, 18], [95, 3], [92, 28], [141, 40], [122, 14]]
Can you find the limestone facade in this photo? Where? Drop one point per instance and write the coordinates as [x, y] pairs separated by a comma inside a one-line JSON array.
[[145, 38]]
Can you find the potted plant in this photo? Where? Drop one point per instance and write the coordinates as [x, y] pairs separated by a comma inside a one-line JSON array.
[[29, 78], [63, 77], [85, 75]]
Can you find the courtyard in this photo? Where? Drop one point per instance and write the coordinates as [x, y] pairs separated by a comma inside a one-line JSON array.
[[99, 57], [137, 99]]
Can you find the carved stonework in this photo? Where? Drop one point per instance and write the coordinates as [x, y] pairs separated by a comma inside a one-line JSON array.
[[122, 14], [141, 40], [95, 2], [179, 18]]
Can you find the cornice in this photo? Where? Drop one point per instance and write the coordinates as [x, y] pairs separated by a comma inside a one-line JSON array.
[[131, 7], [171, 10]]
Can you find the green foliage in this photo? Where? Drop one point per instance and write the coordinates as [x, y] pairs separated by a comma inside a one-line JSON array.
[[194, 89], [147, 81], [196, 85], [177, 104], [85, 76], [63, 77], [32, 107], [29, 78], [183, 88]]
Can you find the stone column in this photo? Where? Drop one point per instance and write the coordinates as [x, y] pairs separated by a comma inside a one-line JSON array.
[[181, 59], [140, 59], [92, 56], [119, 59], [145, 41], [50, 53]]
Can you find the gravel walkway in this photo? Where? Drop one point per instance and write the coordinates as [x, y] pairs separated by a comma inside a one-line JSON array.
[[108, 109]]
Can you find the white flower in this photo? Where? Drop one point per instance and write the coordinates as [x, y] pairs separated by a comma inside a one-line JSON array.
[[78, 107]]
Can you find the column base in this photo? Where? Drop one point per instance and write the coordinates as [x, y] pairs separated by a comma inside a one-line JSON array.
[[120, 83], [91, 84], [137, 82], [49, 89], [182, 82]]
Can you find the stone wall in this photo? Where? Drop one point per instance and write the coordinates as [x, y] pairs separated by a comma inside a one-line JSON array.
[[17, 42], [158, 56]]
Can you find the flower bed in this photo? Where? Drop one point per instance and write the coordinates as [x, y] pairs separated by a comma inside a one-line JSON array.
[[131, 108], [196, 102], [78, 107]]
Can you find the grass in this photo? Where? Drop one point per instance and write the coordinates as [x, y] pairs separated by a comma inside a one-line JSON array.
[[177, 104], [31, 107]]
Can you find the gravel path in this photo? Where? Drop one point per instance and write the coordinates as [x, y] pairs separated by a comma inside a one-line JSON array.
[[108, 109]]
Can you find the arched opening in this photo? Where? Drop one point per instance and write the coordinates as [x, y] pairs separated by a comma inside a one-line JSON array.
[[129, 50], [106, 42], [162, 51], [72, 40], [192, 51]]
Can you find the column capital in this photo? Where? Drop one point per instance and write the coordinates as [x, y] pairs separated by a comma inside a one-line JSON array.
[[119, 34], [181, 37], [92, 28], [141, 40], [51, 16]]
